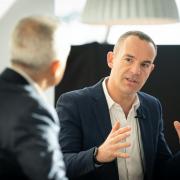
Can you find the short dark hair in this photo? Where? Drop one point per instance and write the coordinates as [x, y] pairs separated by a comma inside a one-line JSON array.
[[141, 35]]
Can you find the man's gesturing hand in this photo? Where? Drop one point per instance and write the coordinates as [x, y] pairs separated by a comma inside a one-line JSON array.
[[177, 127], [110, 149]]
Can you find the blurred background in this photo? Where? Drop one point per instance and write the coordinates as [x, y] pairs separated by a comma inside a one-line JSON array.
[[92, 27]]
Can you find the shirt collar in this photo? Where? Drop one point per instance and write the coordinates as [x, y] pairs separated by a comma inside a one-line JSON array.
[[30, 81], [112, 103]]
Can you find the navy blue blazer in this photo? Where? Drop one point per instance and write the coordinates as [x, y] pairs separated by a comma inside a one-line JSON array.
[[29, 129], [85, 123]]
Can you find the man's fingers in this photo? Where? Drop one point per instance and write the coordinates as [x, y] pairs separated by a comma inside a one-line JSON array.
[[118, 147], [120, 137], [115, 127], [177, 127], [121, 131], [177, 124], [121, 155]]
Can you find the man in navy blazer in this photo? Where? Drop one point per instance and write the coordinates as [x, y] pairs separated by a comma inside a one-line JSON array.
[[29, 126], [112, 131]]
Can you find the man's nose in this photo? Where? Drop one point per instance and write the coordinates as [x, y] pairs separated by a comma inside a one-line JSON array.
[[136, 69]]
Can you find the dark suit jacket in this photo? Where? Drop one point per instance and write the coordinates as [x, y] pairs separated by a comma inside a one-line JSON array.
[[29, 129], [85, 123]]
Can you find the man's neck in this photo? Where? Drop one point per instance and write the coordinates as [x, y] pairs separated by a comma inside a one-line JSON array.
[[124, 100], [34, 77]]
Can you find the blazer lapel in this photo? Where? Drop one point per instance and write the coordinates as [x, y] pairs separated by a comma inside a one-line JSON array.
[[101, 113], [146, 130], [101, 110]]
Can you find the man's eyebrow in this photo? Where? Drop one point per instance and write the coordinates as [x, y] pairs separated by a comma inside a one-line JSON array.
[[129, 55], [147, 61]]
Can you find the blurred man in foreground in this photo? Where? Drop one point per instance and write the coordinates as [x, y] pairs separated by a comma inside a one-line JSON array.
[[29, 126]]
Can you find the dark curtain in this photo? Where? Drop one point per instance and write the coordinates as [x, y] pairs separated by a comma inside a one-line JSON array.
[[87, 64], [165, 85]]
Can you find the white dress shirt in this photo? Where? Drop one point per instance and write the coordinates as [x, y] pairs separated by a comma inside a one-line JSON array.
[[130, 168]]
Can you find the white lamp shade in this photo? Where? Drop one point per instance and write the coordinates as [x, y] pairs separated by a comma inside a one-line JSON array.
[[113, 12]]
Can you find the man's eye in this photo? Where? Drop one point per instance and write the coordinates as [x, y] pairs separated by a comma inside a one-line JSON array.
[[128, 59], [146, 65]]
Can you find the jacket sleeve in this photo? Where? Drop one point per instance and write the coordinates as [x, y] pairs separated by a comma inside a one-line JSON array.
[[167, 165], [78, 162], [36, 145]]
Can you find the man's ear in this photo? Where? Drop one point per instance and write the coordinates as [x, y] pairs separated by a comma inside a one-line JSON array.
[[110, 57], [57, 71], [152, 67], [55, 68]]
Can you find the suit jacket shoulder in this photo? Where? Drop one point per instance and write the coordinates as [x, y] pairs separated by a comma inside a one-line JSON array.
[[28, 132]]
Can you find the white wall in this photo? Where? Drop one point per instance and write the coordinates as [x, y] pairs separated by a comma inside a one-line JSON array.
[[167, 34], [18, 10]]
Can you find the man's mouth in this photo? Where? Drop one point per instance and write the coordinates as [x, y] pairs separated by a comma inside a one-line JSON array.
[[132, 80]]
